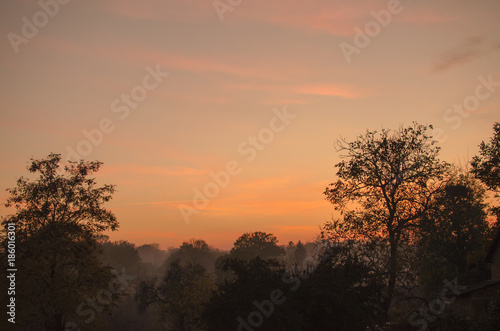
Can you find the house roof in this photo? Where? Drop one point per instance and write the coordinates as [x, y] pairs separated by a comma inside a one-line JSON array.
[[495, 244], [479, 286]]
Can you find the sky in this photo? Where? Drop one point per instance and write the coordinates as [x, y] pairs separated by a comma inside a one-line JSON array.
[[215, 118]]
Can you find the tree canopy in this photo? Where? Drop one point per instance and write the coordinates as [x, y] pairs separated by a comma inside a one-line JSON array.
[[250, 245], [486, 165], [58, 218], [453, 235], [386, 182], [61, 197], [179, 297]]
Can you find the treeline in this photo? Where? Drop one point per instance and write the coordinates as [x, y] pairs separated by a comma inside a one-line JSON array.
[[410, 231], [258, 284], [194, 286]]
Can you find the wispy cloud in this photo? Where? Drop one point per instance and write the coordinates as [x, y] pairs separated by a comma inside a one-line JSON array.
[[341, 90], [316, 16], [466, 52]]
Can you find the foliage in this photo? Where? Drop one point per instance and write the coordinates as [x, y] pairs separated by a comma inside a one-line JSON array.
[[70, 197], [151, 253], [179, 297], [254, 280], [486, 166], [386, 182], [194, 251], [340, 294], [454, 233], [58, 218], [250, 245], [121, 255]]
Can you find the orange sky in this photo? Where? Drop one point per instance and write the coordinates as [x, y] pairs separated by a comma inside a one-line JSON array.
[[170, 93]]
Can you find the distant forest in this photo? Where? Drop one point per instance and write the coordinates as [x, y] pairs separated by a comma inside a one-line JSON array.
[[410, 239]]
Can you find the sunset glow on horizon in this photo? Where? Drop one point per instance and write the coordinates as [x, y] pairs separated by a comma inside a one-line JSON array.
[[213, 119]]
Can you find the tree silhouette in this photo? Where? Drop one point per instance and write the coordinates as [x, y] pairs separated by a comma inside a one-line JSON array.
[[58, 218], [194, 251], [180, 296], [486, 166], [254, 281], [386, 182], [453, 234], [300, 254], [121, 255], [341, 293], [152, 254], [250, 245]]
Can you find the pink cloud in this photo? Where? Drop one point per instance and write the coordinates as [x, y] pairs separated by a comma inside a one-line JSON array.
[[333, 17], [336, 89], [316, 16]]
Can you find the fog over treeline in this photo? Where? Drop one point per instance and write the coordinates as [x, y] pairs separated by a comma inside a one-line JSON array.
[[415, 245], [144, 263]]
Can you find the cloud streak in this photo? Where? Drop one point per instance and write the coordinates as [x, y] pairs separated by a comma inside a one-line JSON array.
[[466, 52]]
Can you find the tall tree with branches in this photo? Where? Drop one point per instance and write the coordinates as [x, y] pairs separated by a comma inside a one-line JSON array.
[[386, 184], [58, 219]]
